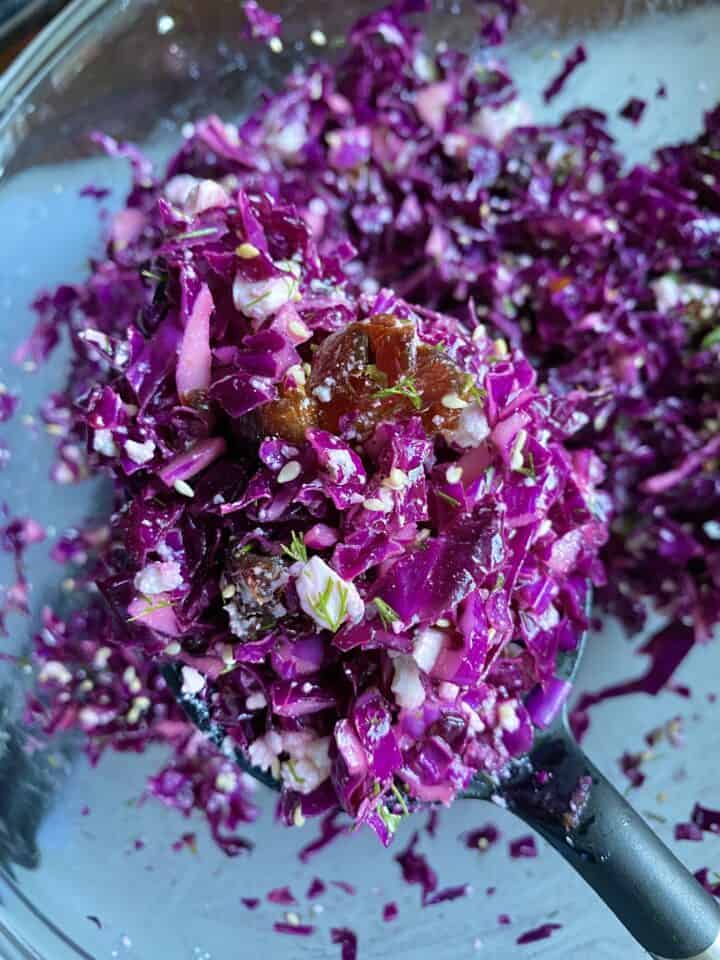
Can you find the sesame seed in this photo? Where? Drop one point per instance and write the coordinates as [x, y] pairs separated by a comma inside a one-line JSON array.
[[291, 471], [442, 622], [396, 480], [247, 251], [453, 402], [184, 489], [292, 918], [318, 38], [454, 474], [298, 818], [172, 649], [374, 505], [276, 45]]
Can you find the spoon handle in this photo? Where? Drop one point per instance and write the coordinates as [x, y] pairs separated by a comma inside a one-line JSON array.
[[649, 890]]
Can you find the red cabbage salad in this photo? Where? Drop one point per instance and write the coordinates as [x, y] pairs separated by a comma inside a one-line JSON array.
[[388, 377]]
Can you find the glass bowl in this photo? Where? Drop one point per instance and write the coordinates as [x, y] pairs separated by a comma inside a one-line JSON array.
[[73, 882]]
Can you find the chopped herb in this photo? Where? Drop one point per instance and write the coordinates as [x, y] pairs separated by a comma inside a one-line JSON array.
[[405, 387], [387, 614], [192, 234], [241, 551], [263, 296], [320, 606], [710, 339], [391, 820], [400, 799], [295, 775], [529, 470], [500, 582], [447, 498], [296, 549], [151, 276], [471, 389], [151, 608], [376, 374]]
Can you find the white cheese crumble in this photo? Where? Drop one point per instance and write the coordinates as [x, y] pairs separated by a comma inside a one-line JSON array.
[[158, 577], [326, 597], [407, 685]]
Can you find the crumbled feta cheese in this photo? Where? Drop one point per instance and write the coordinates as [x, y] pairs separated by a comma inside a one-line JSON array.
[[261, 299], [289, 139], [309, 762], [507, 717], [256, 701], [264, 751], [427, 646], [454, 474], [192, 681], [103, 443], [495, 123], [326, 597], [140, 452], [471, 430], [448, 691], [204, 196], [158, 577], [407, 685]]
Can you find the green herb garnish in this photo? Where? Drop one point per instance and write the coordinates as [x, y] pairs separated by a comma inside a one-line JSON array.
[[710, 339], [296, 549], [387, 614], [391, 820], [295, 775], [405, 387], [151, 608], [400, 799], [320, 606], [529, 470], [447, 498], [192, 234], [148, 274], [471, 389]]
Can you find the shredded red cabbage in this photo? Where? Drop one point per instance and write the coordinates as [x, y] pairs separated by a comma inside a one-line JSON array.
[[523, 847], [347, 939], [347, 505], [538, 933]]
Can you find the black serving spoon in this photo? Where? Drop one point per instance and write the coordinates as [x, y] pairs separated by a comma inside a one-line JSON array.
[[607, 842]]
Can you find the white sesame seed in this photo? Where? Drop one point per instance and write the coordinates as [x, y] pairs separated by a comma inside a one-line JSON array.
[[184, 489], [172, 649], [292, 918], [276, 44], [454, 474], [247, 251], [298, 818], [396, 480], [453, 402], [291, 471], [318, 38], [442, 622]]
